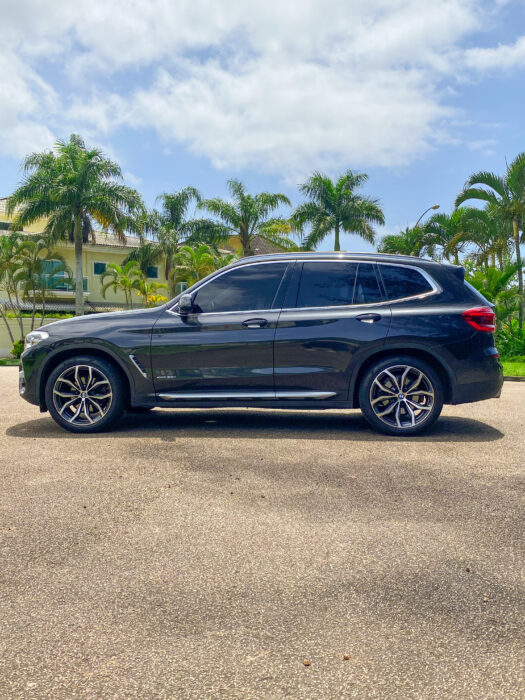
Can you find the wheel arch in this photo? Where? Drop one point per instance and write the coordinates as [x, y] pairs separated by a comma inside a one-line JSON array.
[[94, 351], [444, 372]]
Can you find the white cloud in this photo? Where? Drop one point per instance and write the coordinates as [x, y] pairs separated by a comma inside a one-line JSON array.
[[26, 102], [276, 86], [502, 57]]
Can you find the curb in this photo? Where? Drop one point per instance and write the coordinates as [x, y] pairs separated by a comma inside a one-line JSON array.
[[514, 379]]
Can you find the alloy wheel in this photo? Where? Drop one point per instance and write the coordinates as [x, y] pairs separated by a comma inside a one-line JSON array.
[[82, 395], [402, 396]]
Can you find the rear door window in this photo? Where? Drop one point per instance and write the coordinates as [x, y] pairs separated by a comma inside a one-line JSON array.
[[327, 284], [403, 282]]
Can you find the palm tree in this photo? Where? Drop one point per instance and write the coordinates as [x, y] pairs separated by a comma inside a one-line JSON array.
[[126, 277], [70, 187], [193, 264], [168, 228], [483, 229], [9, 252], [450, 231], [221, 260], [336, 207], [31, 275], [248, 216], [411, 241], [147, 255], [506, 196]]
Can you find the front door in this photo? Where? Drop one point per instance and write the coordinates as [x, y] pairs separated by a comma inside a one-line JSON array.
[[224, 348], [334, 312]]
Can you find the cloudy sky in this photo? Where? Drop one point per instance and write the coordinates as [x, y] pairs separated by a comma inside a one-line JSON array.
[[416, 93]]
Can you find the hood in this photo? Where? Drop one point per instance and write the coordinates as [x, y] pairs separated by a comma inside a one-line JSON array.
[[83, 323]]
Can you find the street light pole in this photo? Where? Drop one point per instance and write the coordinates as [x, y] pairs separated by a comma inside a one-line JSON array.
[[435, 206]]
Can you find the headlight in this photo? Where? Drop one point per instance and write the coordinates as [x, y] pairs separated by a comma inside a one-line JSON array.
[[34, 337]]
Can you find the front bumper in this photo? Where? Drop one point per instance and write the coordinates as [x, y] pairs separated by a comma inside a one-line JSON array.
[[28, 386]]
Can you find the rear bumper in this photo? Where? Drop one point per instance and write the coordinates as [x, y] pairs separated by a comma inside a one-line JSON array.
[[479, 381]]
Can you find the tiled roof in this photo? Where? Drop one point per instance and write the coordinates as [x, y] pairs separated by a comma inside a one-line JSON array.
[[102, 239]]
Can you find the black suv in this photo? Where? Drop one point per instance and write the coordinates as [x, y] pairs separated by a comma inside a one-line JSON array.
[[395, 336]]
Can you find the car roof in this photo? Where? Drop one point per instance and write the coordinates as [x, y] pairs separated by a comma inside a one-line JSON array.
[[341, 255]]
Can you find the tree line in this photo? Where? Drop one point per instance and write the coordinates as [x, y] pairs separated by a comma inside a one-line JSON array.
[[76, 188]]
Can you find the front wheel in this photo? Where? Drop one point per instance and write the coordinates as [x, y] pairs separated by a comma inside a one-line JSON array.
[[85, 394], [401, 395]]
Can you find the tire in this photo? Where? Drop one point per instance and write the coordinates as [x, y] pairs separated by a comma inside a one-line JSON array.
[[85, 394], [396, 413]]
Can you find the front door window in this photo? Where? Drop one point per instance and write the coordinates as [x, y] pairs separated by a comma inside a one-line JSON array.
[[247, 288]]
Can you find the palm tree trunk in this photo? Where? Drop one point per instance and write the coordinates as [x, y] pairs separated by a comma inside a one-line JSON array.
[[79, 277], [520, 272], [11, 337], [18, 311], [337, 245], [246, 243], [33, 312], [43, 308]]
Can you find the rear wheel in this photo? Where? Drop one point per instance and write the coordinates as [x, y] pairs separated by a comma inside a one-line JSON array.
[[401, 395], [85, 394]]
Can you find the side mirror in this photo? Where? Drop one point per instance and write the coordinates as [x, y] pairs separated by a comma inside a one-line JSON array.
[[185, 304]]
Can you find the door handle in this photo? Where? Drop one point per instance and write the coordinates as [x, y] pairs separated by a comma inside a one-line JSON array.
[[255, 323], [369, 318]]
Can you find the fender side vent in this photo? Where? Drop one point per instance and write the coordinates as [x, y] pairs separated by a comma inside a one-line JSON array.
[[138, 364]]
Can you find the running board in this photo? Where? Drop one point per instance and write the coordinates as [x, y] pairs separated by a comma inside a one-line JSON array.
[[268, 395]]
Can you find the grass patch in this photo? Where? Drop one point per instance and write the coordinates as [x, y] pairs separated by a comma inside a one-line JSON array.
[[8, 362], [514, 367]]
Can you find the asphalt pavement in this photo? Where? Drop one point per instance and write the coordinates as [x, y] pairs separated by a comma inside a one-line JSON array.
[[243, 554]]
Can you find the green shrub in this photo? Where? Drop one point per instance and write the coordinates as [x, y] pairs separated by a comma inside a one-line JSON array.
[[28, 314], [510, 340], [18, 348]]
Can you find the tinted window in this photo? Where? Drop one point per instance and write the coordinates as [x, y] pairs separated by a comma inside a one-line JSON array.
[[245, 289], [401, 282], [366, 285], [99, 268], [327, 284], [152, 271]]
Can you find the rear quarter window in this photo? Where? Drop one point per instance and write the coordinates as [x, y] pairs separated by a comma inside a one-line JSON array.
[[402, 282]]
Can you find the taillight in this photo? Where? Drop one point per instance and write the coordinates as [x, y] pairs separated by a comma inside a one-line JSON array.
[[481, 318]]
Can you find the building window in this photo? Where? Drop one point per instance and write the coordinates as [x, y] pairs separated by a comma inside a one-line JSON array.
[[152, 271], [56, 279], [99, 268], [4, 226]]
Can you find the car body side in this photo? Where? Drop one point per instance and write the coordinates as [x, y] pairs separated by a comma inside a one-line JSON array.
[[429, 327]]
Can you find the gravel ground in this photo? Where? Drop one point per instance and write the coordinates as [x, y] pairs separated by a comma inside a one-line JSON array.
[[209, 554]]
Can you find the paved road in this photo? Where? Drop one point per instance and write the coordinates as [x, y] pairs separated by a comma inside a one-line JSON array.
[[200, 554]]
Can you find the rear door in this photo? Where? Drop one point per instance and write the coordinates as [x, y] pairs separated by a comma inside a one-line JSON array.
[[334, 313]]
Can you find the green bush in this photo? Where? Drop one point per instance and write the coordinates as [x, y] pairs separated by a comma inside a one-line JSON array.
[[510, 340], [18, 348], [28, 314]]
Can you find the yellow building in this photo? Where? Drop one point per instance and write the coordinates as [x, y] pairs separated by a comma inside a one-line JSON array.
[[95, 257]]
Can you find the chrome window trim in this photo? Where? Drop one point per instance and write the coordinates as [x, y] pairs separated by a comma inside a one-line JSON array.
[[436, 288]]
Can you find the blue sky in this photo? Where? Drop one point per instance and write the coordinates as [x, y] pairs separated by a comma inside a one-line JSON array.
[[416, 94]]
